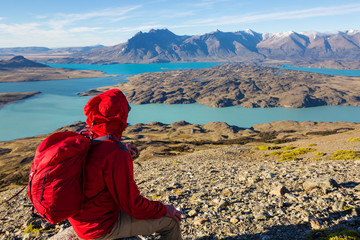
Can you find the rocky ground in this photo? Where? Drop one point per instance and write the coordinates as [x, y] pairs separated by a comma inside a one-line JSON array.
[[240, 84], [249, 191]]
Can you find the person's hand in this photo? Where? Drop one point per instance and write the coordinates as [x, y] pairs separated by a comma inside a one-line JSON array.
[[132, 149], [173, 213]]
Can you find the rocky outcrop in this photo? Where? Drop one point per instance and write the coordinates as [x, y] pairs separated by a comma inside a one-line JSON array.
[[236, 84]]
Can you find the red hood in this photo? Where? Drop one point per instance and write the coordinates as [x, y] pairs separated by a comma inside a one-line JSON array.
[[107, 113]]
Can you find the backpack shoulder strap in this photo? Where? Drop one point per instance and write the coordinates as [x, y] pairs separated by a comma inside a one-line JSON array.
[[110, 137]]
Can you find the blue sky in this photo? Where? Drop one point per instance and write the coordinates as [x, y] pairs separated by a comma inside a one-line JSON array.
[[63, 23]]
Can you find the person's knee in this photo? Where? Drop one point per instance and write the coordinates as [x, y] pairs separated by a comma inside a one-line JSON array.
[[171, 225]]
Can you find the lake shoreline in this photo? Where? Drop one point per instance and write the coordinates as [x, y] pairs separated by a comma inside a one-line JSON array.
[[11, 97], [46, 74]]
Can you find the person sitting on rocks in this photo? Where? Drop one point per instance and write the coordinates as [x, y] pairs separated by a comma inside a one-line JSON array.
[[113, 207]]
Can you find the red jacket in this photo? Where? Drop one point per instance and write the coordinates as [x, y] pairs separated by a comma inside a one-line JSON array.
[[110, 185]]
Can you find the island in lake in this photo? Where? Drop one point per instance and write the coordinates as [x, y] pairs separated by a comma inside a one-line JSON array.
[[239, 84]]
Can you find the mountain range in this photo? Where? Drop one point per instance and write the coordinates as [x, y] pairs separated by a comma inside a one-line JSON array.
[[162, 45]]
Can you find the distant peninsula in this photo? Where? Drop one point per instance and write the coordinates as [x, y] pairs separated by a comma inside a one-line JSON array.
[[238, 84], [20, 69], [10, 97]]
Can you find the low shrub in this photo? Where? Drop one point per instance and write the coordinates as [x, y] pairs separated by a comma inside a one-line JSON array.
[[288, 147], [353, 139], [32, 227], [292, 153], [345, 155], [320, 154]]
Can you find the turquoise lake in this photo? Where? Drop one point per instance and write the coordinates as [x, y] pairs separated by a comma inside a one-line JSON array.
[[59, 105]]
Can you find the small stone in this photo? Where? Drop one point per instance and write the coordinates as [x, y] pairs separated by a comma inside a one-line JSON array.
[[242, 178], [324, 183], [234, 220], [279, 190], [200, 221], [47, 225], [290, 196], [223, 203], [357, 187], [338, 206], [192, 213], [270, 176], [226, 193], [260, 216], [280, 211], [253, 180], [355, 212], [201, 234], [27, 236], [315, 223]]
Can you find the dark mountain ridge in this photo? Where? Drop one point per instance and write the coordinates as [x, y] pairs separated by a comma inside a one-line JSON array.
[[20, 62]]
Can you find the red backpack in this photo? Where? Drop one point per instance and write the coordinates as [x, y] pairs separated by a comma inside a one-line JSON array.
[[56, 183]]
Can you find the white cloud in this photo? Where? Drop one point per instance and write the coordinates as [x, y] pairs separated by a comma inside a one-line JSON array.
[[208, 3], [19, 29], [134, 29], [295, 14], [63, 29], [41, 17], [110, 12], [183, 14], [84, 29], [62, 20]]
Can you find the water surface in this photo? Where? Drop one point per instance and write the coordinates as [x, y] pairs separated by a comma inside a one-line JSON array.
[[342, 72], [59, 105]]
